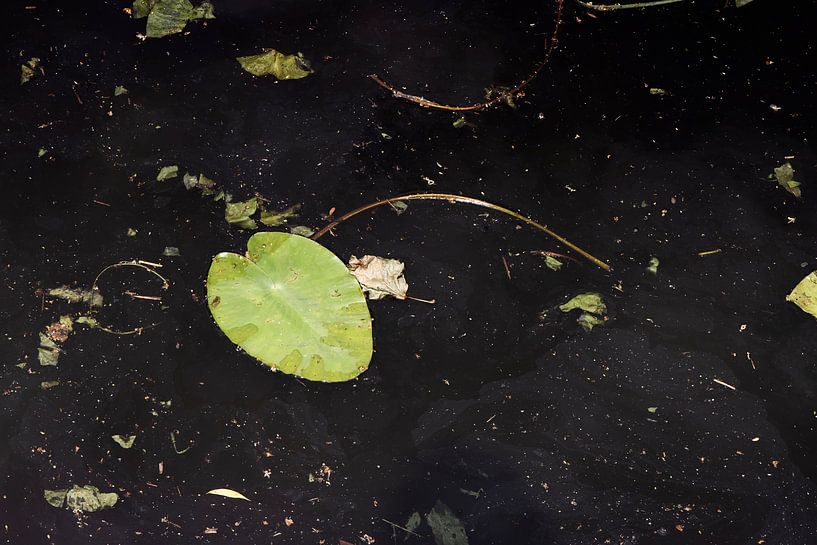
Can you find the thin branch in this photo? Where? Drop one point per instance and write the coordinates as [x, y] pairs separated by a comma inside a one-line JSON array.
[[617, 6], [465, 200], [550, 47]]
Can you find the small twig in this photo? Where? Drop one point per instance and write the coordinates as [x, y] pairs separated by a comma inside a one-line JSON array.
[[507, 268], [749, 357], [134, 295], [77, 95], [617, 6], [400, 527], [102, 203], [464, 200], [501, 96], [429, 301], [709, 252], [722, 383]]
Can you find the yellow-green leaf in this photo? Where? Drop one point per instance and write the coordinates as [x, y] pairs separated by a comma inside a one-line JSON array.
[[277, 64], [227, 493], [804, 294]]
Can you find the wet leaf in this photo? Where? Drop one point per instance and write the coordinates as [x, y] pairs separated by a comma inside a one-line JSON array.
[[301, 231], [593, 307], [166, 173], [588, 302], [81, 498], [119, 90], [804, 294], [446, 527], [49, 352], [238, 213], [294, 305], [553, 263], [652, 409], [124, 441], [271, 218], [652, 267], [75, 295], [89, 321], [60, 330], [277, 64], [589, 321], [741, 3], [413, 523], [205, 10], [171, 251], [658, 91], [227, 493], [379, 277], [27, 70], [41, 152], [399, 206], [784, 174], [141, 8], [48, 384]]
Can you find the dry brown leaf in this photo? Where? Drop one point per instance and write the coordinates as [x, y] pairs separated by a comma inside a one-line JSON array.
[[379, 276]]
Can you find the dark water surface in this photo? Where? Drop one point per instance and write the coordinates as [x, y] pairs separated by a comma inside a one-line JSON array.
[[532, 430]]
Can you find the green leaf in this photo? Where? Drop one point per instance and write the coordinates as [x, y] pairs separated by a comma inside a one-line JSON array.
[[227, 493], [238, 213], [301, 231], [446, 527], [75, 295], [27, 70], [553, 263], [588, 302], [168, 17], [141, 8], [49, 352], [166, 173], [652, 409], [785, 178], [413, 522], [81, 498], [589, 321], [652, 267], [804, 294], [294, 305], [275, 63], [124, 441], [271, 218], [119, 90]]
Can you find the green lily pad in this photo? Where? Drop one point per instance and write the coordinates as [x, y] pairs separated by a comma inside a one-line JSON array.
[[294, 305], [804, 294], [275, 63]]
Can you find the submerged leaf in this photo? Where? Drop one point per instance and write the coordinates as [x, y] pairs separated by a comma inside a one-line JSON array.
[[141, 8], [446, 527], [804, 294], [652, 267], [119, 90], [301, 231], [784, 174], [589, 321], [379, 277], [227, 493], [81, 498], [171, 251], [49, 352], [168, 17], [238, 213], [271, 218], [741, 3], [75, 295], [294, 305], [399, 206], [124, 441], [204, 10], [275, 63], [166, 173], [413, 522]]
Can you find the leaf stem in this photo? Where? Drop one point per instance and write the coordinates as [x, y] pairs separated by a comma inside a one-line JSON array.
[[464, 200]]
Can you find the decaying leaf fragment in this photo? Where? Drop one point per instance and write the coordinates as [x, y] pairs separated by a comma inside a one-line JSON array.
[[166, 173], [277, 64], [238, 213], [48, 352], [167, 17], [593, 307], [784, 174], [85, 498], [60, 330], [446, 527], [271, 218], [379, 277], [124, 441], [27, 70], [227, 493], [75, 295], [804, 294]]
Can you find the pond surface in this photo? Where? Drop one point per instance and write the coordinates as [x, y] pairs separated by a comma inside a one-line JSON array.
[[688, 417]]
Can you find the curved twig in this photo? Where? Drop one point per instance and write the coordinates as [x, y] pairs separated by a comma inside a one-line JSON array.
[[549, 49], [466, 200], [146, 265]]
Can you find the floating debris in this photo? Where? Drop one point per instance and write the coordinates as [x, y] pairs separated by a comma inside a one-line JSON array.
[[227, 493], [379, 277], [593, 306], [652, 267], [27, 70], [272, 218], [238, 213], [804, 294], [75, 295], [277, 64], [166, 173], [784, 174], [124, 441], [86, 498], [446, 527]]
